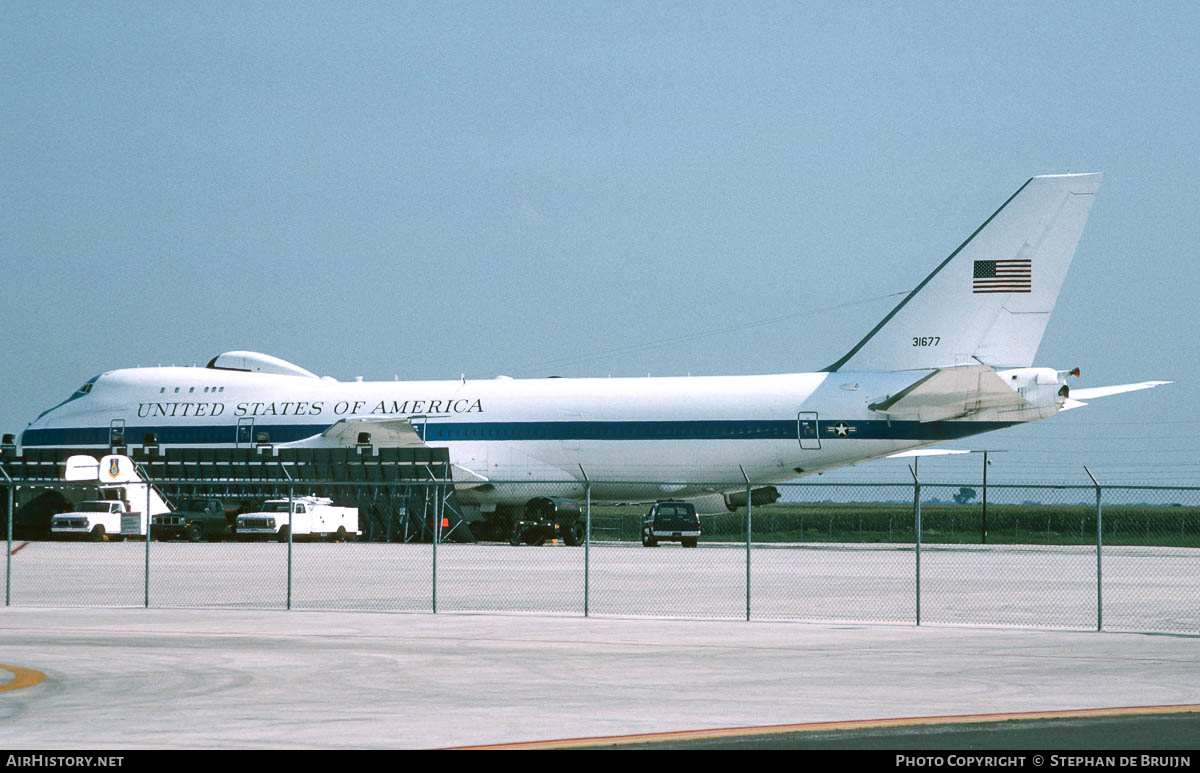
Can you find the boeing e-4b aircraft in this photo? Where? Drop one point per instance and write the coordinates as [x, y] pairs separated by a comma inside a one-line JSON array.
[[953, 359]]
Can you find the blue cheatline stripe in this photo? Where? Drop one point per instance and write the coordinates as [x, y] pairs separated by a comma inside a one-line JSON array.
[[749, 429]]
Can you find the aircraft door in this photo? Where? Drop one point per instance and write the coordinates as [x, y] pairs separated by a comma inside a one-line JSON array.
[[245, 434], [116, 432], [571, 443], [808, 430], [418, 425]]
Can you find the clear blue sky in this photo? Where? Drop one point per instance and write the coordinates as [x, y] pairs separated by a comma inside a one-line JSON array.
[[429, 189]]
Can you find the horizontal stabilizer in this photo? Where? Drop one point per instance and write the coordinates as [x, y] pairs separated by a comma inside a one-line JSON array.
[[927, 452], [949, 393], [1091, 393]]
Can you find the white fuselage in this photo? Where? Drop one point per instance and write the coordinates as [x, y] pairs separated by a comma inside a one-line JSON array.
[[641, 437], [924, 374]]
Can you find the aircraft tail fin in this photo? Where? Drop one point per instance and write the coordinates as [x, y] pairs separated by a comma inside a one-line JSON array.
[[989, 302]]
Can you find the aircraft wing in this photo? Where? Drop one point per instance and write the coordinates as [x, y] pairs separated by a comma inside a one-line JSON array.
[[384, 432], [395, 433], [949, 393]]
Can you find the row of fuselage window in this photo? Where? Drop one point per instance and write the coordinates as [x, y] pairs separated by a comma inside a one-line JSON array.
[[192, 390]]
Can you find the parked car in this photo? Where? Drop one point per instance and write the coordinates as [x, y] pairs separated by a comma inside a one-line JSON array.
[[671, 522]]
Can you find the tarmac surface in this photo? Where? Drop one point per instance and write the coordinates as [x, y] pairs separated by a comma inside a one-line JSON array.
[[235, 678]]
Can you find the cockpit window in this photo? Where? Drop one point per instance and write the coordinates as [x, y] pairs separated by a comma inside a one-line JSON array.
[[78, 393]]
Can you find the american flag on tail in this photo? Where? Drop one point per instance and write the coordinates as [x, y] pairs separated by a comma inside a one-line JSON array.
[[1003, 276]]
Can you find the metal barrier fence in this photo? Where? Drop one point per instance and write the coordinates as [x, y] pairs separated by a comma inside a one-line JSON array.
[[1083, 557]]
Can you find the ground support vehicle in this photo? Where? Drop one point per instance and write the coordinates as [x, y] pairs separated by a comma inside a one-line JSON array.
[[671, 521], [549, 518], [98, 520], [113, 516], [310, 518], [195, 520]]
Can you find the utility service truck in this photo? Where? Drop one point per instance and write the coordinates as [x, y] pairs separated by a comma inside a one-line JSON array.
[[310, 517]]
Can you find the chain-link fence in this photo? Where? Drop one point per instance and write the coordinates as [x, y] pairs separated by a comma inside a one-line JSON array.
[[1086, 557]]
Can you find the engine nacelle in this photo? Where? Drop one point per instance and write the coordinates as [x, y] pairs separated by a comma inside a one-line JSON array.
[[764, 495]]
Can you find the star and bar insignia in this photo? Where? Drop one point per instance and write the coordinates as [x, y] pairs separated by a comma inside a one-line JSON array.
[[842, 429]]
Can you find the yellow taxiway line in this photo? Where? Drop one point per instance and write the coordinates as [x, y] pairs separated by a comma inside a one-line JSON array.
[[22, 677], [813, 727]]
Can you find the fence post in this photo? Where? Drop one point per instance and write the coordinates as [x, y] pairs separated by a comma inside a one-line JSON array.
[[587, 540], [749, 522], [146, 589], [914, 469], [983, 525], [437, 535], [9, 485], [1099, 546], [291, 533]]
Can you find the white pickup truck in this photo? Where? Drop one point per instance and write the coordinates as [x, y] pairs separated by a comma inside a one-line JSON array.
[[98, 520], [113, 517], [311, 517]]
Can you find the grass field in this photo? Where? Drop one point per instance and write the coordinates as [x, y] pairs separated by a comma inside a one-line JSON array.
[[881, 522]]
